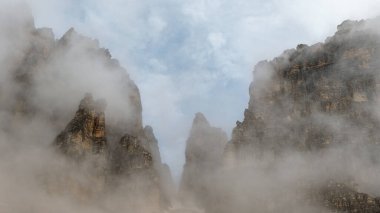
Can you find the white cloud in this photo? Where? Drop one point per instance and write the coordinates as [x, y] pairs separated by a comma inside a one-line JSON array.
[[157, 24], [217, 40]]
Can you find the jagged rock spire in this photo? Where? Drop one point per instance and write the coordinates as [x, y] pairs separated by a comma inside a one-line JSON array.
[[204, 151], [204, 139], [200, 120]]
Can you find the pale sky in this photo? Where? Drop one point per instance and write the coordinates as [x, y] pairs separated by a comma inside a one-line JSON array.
[[196, 55]]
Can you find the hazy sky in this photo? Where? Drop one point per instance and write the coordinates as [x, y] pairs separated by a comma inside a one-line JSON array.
[[196, 55]]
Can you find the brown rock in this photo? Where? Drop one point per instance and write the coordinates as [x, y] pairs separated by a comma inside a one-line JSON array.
[[84, 134]]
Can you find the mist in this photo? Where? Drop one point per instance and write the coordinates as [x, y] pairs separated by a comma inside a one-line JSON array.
[[305, 135], [43, 80], [308, 141]]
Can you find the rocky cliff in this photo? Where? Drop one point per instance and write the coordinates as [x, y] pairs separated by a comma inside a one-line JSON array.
[[313, 99], [129, 165], [291, 94], [104, 148]]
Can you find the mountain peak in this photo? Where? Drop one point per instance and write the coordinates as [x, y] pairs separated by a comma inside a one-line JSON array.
[[200, 120]]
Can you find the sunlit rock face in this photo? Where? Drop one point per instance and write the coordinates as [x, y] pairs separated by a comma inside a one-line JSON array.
[[85, 133], [314, 99], [204, 156]]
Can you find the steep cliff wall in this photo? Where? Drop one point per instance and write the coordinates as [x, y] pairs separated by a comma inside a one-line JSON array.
[[314, 99]]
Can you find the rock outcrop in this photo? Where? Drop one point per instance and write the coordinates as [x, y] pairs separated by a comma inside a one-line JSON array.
[[86, 132]]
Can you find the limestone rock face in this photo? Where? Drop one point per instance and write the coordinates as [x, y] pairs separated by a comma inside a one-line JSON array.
[[291, 94], [204, 154], [86, 132], [316, 98]]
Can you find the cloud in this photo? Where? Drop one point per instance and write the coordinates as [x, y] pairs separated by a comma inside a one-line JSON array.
[[217, 40]]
